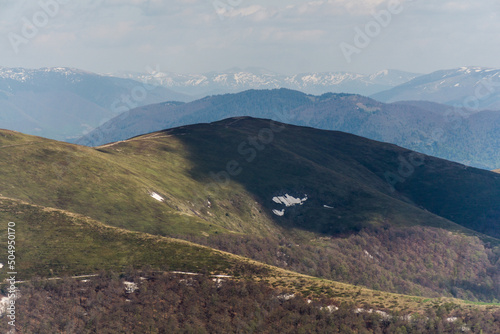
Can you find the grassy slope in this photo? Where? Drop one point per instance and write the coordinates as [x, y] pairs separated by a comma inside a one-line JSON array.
[[113, 183], [52, 243], [90, 182]]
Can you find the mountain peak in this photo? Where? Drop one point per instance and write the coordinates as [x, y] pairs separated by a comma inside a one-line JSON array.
[[463, 87]]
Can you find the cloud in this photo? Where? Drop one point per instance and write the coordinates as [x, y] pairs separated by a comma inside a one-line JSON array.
[[183, 34], [293, 36]]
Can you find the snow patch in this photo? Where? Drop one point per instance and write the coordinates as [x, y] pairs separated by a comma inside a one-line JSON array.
[[330, 308], [157, 197], [368, 254], [185, 273], [218, 282], [286, 296], [4, 303], [130, 287], [280, 213], [289, 200], [383, 314]]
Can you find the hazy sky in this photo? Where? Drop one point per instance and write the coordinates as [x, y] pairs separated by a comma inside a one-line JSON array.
[[288, 36]]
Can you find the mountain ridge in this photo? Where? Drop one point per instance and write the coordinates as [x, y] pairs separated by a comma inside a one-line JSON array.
[[474, 88], [64, 103], [426, 127], [237, 79]]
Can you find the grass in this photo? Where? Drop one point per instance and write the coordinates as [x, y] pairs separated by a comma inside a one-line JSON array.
[[52, 242], [105, 218], [113, 183], [55, 243]]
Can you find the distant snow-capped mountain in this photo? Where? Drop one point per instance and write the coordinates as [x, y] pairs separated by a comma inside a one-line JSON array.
[[237, 80], [30, 75], [475, 88]]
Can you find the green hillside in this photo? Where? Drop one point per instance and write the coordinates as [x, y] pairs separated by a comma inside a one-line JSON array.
[[348, 174], [220, 184], [52, 243]]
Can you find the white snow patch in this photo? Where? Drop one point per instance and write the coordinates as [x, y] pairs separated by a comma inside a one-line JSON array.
[[452, 319], [370, 311], [4, 303], [330, 308], [130, 287], [286, 296], [218, 282], [1, 265], [368, 254], [157, 197], [185, 273], [280, 213], [289, 200], [383, 314]]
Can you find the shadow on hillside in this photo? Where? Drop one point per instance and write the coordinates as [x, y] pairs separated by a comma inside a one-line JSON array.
[[341, 175]]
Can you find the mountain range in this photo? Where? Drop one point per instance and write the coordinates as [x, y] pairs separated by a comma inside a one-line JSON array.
[[473, 88], [236, 80], [430, 128], [64, 103]]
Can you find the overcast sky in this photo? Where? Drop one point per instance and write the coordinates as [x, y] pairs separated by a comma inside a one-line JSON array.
[[287, 36]]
